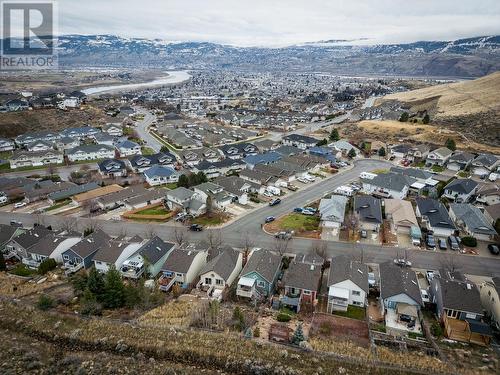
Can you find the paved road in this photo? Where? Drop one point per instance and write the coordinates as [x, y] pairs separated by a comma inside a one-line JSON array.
[[63, 171], [143, 132], [249, 226]]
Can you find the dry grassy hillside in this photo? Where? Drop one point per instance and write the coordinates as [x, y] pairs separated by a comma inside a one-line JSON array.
[[455, 99]]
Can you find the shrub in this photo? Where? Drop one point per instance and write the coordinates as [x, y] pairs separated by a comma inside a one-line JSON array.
[[45, 302], [283, 317], [469, 241], [404, 117], [47, 265], [256, 332], [436, 329], [21, 270], [3, 266]]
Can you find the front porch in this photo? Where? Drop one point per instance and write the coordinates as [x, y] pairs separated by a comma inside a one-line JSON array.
[[469, 331], [132, 269], [246, 287]]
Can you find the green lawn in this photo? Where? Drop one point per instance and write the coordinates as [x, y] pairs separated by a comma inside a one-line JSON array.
[[147, 151], [5, 155], [210, 220], [154, 211], [299, 222], [437, 168], [353, 312], [58, 205]]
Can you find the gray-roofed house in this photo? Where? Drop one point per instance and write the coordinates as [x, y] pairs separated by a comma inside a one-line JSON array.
[[459, 161], [301, 282], [140, 163], [332, 211], [221, 270], [115, 252], [19, 245], [185, 200], [8, 233], [368, 211], [128, 148], [400, 295], [434, 216], [461, 190], [112, 168], [159, 175], [472, 221], [388, 185], [182, 267], [90, 152], [24, 158], [418, 152], [235, 186], [238, 150], [51, 246], [39, 146], [401, 150], [439, 157], [347, 283], [73, 190], [220, 198], [418, 174], [488, 193], [303, 142], [458, 305], [259, 275], [149, 259], [484, 164], [81, 254]]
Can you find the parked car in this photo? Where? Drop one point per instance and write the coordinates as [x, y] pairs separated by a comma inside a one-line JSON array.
[[196, 227], [405, 318], [274, 202], [312, 209], [267, 194], [292, 187], [402, 262], [270, 219], [284, 235], [15, 223], [430, 242], [363, 233], [371, 279], [180, 216], [298, 209], [494, 248], [454, 243], [425, 295], [442, 244], [303, 180], [19, 204], [307, 212], [309, 178]]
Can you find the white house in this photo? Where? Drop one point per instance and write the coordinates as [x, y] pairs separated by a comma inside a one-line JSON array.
[[128, 148], [22, 158], [90, 152], [222, 269], [461, 190], [6, 144], [439, 157], [39, 146], [332, 211], [115, 252], [302, 142], [484, 164], [158, 175], [113, 129], [390, 184], [347, 283]]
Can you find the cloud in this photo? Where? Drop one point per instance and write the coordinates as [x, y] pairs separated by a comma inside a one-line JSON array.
[[279, 22]]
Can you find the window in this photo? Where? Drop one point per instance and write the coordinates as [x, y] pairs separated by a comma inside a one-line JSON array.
[[66, 257], [356, 293], [307, 292], [208, 281], [219, 282], [261, 284], [179, 274]]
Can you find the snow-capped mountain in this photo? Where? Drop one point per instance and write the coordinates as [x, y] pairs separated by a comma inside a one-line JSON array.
[[465, 57]]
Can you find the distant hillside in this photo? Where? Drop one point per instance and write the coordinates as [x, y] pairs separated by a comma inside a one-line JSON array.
[[470, 107], [472, 57]]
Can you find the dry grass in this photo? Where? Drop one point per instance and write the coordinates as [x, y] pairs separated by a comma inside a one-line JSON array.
[[12, 286], [457, 99], [175, 313]]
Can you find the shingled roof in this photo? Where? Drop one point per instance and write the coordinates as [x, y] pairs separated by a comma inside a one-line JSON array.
[[344, 268]]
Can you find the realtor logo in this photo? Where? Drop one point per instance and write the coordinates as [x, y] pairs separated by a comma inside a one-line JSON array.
[[27, 35]]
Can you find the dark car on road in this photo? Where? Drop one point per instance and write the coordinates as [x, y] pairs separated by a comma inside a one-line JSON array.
[[494, 248], [196, 227], [453, 242], [430, 242], [270, 219], [274, 202], [442, 244]]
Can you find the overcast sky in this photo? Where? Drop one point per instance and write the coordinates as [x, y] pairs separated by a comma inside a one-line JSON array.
[[277, 22]]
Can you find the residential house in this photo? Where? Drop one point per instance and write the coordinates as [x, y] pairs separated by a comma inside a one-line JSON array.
[[149, 259], [301, 282], [401, 214], [15, 105], [81, 254], [488, 194], [435, 217], [159, 175], [120, 197], [259, 276], [7, 234], [400, 298], [139, 163], [6, 145], [221, 270], [288, 150], [459, 161], [420, 175], [90, 152], [220, 168], [80, 132], [236, 187], [22, 158], [344, 147], [66, 143], [438, 157], [18, 246], [115, 252], [44, 135], [388, 185], [266, 158], [472, 221], [238, 150], [112, 168], [266, 145], [61, 195], [327, 153], [113, 129], [310, 258], [302, 142], [185, 200], [39, 146], [193, 156], [458, 305], [461, 190], [347, 283], [220, 199], [368, 211], [332, 211], [492, 213], [182, 267], [91, 196], [484, 164], [52, 246], [401, 151], [418, 152], [489, 292], [128, 148], [104, 139]]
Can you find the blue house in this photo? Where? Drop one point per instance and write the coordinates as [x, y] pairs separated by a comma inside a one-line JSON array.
[[324, 152], [266, 158], [259, 275], [82, 253]]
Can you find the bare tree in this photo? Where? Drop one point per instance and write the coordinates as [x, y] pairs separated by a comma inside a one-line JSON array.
[[214, 238], [180, 235], [92, 226], [281, 245], [51, 169], [69, 224], [150, 232], [320, 249], [352, 223], [450, 262], [247, 243]]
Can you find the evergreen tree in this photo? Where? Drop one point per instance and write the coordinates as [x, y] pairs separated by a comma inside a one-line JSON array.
[[202, 177], [334, 135], [298, 335], [183, 181], [47, 265], [426, 119], [381, 151], [95, 283], [3, 266], [352, 153], [450, 143], [404, 117], [114, 290], [323, 142]]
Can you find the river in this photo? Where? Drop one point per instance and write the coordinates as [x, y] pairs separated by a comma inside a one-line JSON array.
[[173, 77]]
